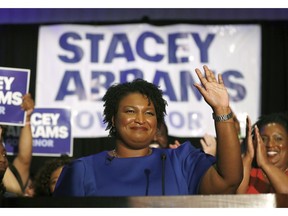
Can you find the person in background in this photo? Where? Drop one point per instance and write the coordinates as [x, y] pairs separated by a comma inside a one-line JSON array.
[[133, 111], [47, 176], [3, 167], [17, 174], [161, 138], [29, 189], [3, 164], [269, 149]]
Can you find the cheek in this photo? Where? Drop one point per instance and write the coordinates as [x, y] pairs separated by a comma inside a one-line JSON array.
[[153, 124], [122, 121], [284, 148], [6, 163], [282, 145]]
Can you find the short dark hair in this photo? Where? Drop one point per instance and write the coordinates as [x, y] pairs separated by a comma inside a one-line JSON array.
[[42, 178], [117, 92], [277, 117], [4, 129]]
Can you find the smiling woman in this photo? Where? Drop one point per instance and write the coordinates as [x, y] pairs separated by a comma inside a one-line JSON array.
[[134, 111], [270, 151], [136, 124]]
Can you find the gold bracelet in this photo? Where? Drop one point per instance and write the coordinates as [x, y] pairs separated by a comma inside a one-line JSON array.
[[221, 118]]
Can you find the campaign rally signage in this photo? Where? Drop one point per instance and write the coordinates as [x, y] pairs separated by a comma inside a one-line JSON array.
[[51, 132], [78, 63], [14, 84]]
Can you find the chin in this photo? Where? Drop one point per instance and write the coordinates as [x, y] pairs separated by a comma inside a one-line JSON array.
[[273, 160]]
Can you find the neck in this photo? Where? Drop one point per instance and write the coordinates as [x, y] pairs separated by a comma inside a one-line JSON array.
[[118, 154]]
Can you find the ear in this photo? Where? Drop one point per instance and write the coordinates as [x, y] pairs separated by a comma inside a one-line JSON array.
[[113, 122]]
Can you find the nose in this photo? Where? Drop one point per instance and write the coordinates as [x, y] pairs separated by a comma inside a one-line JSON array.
[[270, 142], [140, 119]]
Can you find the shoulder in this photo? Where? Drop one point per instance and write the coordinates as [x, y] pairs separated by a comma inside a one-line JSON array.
[[77, 168], [186, 147]]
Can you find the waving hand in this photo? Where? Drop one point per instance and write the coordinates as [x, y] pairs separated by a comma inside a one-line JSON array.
[[213, 91]]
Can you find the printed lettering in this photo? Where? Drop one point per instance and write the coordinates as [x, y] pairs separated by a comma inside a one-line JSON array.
[[6, 82]]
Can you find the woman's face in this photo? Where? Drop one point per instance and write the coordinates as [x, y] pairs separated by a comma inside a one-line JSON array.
[[275, 138], [135, 121]]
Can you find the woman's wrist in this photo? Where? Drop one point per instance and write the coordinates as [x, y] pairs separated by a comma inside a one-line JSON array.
[[222, 118], [221, 110], [27, 122], [222, 114]]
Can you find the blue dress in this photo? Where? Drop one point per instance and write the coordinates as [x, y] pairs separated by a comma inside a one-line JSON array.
[[164, 172]]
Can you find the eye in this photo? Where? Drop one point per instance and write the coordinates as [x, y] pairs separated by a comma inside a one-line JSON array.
[[150, 113], [130, 111], [278, 138]]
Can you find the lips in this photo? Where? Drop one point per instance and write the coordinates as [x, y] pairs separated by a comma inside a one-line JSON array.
[[139, 128]]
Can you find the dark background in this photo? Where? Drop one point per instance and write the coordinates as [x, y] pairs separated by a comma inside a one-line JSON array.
[[19, 37]]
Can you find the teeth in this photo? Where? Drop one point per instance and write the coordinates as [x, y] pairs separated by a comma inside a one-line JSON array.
[[271, 153]]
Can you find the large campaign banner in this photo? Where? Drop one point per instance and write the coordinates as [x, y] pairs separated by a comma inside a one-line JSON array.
[[78, 63], [14, 84], [51, 132]]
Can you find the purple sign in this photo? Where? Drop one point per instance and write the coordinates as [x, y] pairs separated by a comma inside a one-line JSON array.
[[51, 132], [14, 84]]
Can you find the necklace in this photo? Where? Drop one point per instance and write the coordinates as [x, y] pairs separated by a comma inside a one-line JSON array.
[[115, 154]]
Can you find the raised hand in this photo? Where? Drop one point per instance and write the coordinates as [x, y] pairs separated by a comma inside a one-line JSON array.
[[213, 91], [250, 152], [261, 154], [28, 104], [174, 145]]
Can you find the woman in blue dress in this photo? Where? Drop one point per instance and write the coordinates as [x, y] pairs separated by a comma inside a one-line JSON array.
[[133, 112]]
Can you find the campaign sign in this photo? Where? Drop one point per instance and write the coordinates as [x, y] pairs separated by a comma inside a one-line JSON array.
[[77, 64], [14, 84], [51, 132]]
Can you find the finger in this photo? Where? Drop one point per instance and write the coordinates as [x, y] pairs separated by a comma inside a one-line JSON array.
[[173, 146], [212, 140], [220, 79], [177, 143], [213, 77], [248, 126], [201, 89], [259, 141], [202, 79], [258, 144], [206, 139], [208, 73], [203, 144]]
